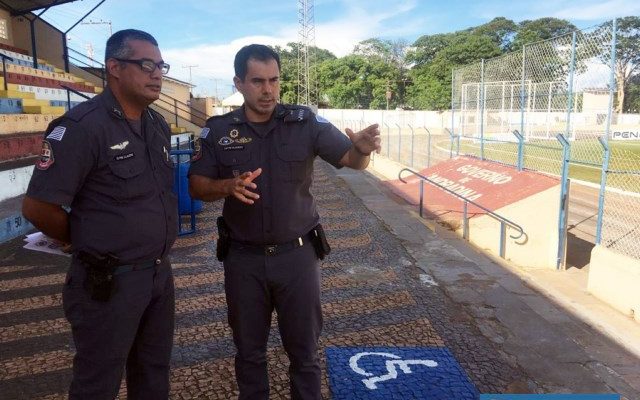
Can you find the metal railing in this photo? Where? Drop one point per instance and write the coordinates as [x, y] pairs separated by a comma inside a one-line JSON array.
[[5, 58], [87, 66], [176, 107], [504, 222], [71, 90]]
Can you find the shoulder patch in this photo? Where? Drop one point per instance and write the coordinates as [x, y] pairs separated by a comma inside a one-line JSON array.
[[57, 133], [46, 156], [197, 149], [204, 133], [322, 119]]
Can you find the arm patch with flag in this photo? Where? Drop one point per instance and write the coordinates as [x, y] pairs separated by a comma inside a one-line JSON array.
[[57, 133]]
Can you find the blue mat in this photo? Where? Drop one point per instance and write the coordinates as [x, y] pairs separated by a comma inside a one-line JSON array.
[[397, 373]]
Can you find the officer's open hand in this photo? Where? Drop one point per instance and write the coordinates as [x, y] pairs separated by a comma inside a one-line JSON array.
[[240, 187], [367, 140]]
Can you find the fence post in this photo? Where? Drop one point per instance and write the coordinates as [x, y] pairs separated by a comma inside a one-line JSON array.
[[603, 184], [465, 221], [605, 142], [399, 143], [503, 239], [524, 47], [175, 107], [412, 142], [451, 139], [481, 100], [421, 195], [453, 81], [388, 140], [428, 146], [566, 151], [570, 94], [520, 149]]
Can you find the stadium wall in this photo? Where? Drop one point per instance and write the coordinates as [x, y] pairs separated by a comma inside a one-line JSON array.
[[48, 40], [6, 17], [615, 279]]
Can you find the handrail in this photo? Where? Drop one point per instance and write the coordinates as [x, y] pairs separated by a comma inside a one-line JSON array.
[[4, 69], [100, 64], [503, 221], [175, 103], [75, 91], [68, 89]]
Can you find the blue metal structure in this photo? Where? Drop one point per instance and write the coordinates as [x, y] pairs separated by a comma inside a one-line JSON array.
[[520, 149], [605, 142], [564, 197]]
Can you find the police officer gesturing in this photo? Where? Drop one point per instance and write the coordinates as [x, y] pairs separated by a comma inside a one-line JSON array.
[[260, 159], [108, 160]]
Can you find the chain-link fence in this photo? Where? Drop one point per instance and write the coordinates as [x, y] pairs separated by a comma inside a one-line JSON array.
[[512, 108], [620, 219]]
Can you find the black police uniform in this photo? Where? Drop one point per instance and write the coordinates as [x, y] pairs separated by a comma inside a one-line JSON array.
[[117, 177], [260, 277]]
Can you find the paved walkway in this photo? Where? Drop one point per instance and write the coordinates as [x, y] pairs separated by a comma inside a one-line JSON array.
[[391, 285]]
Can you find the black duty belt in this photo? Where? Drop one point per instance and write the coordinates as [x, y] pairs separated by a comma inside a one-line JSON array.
[[108, 261], [272, 249], [121, 269]]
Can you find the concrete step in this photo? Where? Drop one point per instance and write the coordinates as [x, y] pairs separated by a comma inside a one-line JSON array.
[[43, 110], [11, 219], [35, 102], [16, 94]]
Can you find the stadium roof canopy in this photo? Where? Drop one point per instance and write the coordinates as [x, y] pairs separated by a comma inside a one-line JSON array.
[[21, 7]]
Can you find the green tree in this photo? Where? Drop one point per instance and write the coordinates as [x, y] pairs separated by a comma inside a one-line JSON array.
[[431, 87], [500, 30], [426, 47], [627, 66], [289, 70], [540, 29], [355, 81], [632, 98]]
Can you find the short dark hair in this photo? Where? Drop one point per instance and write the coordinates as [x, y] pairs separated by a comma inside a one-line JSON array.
[[117, 44], [258, 52]]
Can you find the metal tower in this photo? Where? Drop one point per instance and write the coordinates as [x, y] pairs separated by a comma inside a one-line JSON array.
[[306, 34]]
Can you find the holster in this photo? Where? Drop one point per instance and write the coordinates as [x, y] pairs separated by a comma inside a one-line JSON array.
[[223, 242], [320, 243], [100, 269]]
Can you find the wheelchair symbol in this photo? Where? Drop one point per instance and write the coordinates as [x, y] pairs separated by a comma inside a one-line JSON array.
[[391, 365]]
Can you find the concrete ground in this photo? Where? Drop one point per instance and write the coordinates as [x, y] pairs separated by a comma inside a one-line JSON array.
[[391, 282]]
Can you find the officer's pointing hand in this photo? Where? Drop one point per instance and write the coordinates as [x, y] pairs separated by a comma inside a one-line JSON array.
[[367, 140], [241, 185]]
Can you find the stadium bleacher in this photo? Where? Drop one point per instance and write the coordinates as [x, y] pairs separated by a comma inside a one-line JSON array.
[[30, 98], [32, 94]]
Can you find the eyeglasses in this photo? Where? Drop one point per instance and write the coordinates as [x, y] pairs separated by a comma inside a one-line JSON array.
[[148, 65]]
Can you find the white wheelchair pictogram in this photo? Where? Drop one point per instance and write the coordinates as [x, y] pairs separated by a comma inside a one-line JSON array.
[[391, 365]]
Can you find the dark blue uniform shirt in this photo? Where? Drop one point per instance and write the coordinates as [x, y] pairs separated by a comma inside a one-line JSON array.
[[118, 182], [285, 149]]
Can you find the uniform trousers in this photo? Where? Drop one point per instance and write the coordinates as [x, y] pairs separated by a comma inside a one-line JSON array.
[[134, 328], [255, 286]]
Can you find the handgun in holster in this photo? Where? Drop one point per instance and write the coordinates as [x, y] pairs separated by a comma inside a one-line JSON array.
[[223, 243], [100, 275], [320, 243]]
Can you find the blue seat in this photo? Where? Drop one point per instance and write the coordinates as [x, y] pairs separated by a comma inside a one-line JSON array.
[[10, 106]]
